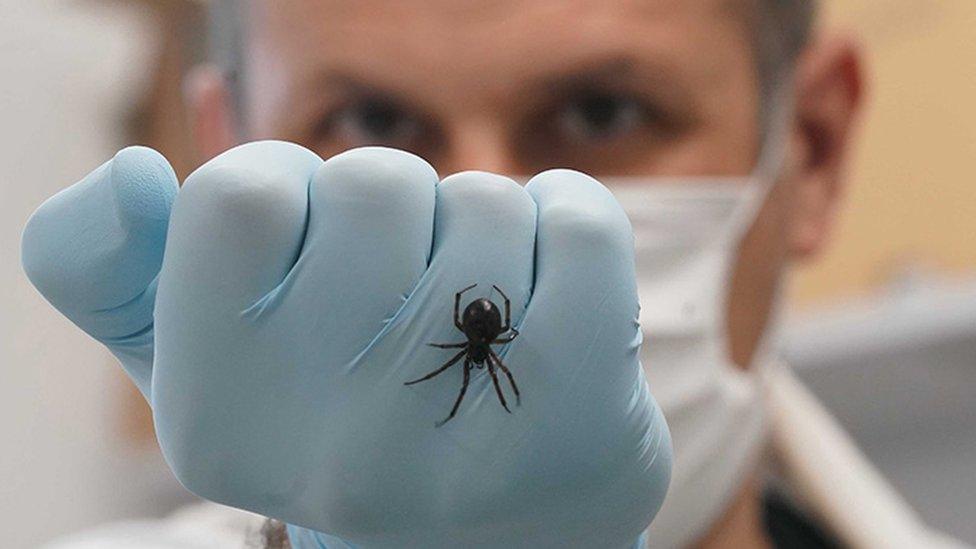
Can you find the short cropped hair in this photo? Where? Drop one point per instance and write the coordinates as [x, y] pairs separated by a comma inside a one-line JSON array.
[[781, 31]]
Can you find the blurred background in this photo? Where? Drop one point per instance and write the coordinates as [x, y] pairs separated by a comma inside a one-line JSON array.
[[882, 327]]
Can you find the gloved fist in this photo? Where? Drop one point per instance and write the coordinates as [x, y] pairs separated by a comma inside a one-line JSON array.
[[295, 299]]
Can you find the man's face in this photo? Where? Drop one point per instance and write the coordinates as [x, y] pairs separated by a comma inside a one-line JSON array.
[[607, 87], [634, 87]]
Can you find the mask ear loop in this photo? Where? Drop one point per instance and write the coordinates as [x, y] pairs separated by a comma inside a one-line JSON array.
[[772, 156], [765, 177]]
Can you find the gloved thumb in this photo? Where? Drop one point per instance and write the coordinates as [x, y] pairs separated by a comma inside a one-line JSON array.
[[94, 249]]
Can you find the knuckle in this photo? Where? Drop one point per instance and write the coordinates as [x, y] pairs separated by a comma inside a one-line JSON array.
[[262, 178], [576, 208], [483, 191], [377, 174], [588, 225], [560, 181], [239, 192]]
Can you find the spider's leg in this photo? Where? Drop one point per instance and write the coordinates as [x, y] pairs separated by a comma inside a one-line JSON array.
[[494, 379], [464, 387], [449, 363], [457, 307], [508, 338], [502, 367], [508, 309], [449, 345]]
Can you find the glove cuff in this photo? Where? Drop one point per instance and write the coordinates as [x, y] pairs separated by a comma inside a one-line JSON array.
[[303, 538]]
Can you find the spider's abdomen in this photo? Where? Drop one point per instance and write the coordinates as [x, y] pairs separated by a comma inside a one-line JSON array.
[[482, 321]]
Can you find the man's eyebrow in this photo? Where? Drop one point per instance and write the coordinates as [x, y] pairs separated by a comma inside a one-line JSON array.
[[342, 79], [349, 83], [601, 69], [616, 69]]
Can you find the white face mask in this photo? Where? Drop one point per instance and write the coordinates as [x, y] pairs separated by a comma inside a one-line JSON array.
[[687, 232]]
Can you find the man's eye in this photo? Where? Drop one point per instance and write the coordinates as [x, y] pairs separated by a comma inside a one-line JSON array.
[[376, 122], [600, 116], [602, 131]]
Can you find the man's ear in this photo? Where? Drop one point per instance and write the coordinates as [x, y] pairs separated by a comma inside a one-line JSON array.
[[830, 90], [212, 114]]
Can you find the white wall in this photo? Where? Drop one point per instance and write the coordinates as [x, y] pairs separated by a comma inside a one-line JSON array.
[[68, 73]]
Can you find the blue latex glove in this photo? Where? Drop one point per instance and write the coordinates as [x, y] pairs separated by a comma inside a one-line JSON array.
[[297, 296]]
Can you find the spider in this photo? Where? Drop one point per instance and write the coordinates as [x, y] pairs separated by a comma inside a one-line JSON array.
[[482, 325]]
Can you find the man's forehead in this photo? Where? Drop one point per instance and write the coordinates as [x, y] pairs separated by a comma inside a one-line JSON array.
[[449, 15], [489, 8], [502, 32]]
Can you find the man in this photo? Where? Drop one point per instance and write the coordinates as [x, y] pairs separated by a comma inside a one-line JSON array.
[[648, 88], [659, 87]]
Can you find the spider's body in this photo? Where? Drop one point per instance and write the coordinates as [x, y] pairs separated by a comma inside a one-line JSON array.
[[481, 323]]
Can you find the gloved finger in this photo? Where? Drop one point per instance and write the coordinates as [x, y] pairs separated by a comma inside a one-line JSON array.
[[237, 227], [95, 248], [484, 233], [580, 332], [371, 213], [585, 284]]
